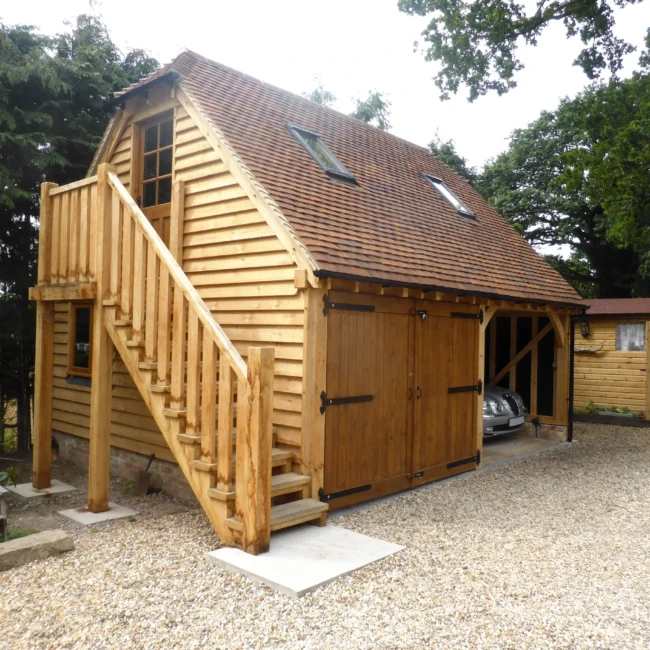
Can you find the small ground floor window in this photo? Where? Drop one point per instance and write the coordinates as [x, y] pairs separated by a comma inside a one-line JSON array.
[[80, 345]]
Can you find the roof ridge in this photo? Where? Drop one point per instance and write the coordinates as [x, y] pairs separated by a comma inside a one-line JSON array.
[[305, 100]]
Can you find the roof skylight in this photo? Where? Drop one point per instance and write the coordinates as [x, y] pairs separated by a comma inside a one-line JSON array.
[[321, 153], [451, 198]]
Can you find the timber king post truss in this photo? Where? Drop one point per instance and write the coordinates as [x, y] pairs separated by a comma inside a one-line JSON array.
[[213, 408]]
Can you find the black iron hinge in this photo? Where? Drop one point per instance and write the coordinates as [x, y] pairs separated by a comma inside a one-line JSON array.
[[327, 305], [467, 389], [342, 493], [336, 401], [466, 461], [466, 314], [422, 313]]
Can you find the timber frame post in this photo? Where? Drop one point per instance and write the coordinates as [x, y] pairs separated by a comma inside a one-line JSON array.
[[254, 449], [44, 362], [102, 355]]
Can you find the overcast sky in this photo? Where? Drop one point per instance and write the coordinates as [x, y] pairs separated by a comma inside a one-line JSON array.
[[352, 46]]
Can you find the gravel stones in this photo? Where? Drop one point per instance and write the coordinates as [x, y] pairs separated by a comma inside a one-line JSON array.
[[548, 552]]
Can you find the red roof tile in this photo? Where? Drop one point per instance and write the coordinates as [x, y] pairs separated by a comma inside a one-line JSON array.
[[618, 307], [392, 227]]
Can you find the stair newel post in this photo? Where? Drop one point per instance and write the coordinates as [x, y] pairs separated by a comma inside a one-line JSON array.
[[102, 353], [44, 362], [254, 449]]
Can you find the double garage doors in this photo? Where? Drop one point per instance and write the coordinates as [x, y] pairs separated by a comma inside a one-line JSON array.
[[401, 400]]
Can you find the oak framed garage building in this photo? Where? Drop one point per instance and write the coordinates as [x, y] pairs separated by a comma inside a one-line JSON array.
[[288, 304]]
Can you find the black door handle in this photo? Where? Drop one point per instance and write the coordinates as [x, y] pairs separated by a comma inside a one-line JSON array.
[[419, 392]]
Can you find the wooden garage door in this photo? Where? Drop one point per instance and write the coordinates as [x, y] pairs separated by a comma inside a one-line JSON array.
[[401, 394], [368, 354], [446, 376]]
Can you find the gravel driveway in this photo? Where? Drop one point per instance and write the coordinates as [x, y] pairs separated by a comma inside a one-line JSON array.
[[549, 552]]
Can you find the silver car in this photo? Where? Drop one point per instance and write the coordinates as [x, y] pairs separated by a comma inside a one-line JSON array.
[[503, 411]]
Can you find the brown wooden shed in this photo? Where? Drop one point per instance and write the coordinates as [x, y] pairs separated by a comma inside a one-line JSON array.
[[285, 302], [612, 355]]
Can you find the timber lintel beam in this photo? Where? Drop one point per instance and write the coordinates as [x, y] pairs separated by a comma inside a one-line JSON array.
[[64, 292]]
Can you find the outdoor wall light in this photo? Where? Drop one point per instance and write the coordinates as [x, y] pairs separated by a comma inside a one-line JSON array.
[[584, 328]]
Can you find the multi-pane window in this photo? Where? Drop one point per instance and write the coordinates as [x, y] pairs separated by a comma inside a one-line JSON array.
[[447, 194], [630, 337], [80, 340], [157, 164]]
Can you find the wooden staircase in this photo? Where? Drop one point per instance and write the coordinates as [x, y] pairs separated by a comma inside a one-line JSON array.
[[213, 408]]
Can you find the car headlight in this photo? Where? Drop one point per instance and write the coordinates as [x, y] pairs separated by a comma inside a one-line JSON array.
[[490, 406]]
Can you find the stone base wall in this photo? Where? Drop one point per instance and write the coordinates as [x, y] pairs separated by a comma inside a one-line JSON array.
[[127, 465], [548, 432]]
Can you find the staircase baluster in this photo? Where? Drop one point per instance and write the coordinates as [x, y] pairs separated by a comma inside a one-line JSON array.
[[127, 266], [225, 442], [209, 403], [139, 283], [116, 245], [178, 350], [192, 401], [151, 308], [164, 323]]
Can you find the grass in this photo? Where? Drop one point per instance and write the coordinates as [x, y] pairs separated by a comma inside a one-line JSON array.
[[14, 532]]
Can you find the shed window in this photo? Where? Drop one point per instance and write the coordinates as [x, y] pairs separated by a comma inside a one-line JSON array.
[[447, 194], [157, 143], [80, 340], [321, 153], [630, 337]]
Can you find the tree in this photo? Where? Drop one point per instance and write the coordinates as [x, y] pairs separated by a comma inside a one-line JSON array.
[[54, 94], [446, 153], [321, 96], [580, 176], [375, 110], [476, 41]]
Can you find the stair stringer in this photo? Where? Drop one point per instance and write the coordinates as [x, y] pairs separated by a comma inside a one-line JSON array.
[[185, 454]]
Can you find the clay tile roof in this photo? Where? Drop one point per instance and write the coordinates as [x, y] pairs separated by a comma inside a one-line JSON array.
[[393, 226], [618, 307]]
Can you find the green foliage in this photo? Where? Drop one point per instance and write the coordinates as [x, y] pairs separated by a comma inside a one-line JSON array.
[[14, 532], [375, 110], [320, 95], [9, 476], [580, 176], [595, 409], [54, 93], [476, 41], [446, 153]]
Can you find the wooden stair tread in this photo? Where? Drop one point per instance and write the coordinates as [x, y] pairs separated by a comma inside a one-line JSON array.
[[288, 514], [287, 483], [296, 512]]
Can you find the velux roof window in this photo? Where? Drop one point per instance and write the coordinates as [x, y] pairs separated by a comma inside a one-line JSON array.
[[441, 186], [321, 153]]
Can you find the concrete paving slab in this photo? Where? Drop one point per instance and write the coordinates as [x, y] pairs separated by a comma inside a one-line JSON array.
[[28, 491], [34, 547], [87, 518], [306, 557]]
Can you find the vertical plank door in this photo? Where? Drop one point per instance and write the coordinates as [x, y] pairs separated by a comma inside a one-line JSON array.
[[366, 442], [446, 374]]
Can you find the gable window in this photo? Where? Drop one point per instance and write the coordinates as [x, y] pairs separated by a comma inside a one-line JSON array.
[[447, 194], [157, 148], [321, 153], [630, 337], [80, 341]]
